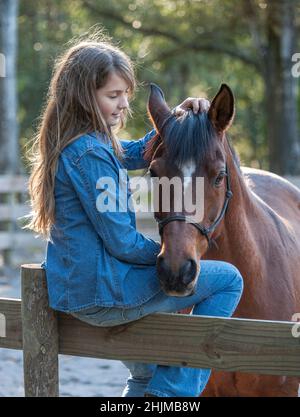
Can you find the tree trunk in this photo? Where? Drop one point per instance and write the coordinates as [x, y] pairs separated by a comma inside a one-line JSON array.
[[9, 144], [281, 88]]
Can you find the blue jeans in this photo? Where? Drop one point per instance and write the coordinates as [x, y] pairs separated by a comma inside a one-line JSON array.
[[217, 293]]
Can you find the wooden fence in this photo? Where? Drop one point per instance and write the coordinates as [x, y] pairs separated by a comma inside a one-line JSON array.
[[230, 344], [13, 205]]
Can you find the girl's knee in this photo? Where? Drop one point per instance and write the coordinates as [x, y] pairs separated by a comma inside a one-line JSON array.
[[226, 270], [235, 280], [233, 273], [238, 279]]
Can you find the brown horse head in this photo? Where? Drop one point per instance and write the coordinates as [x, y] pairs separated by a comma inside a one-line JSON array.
[[189, 147]]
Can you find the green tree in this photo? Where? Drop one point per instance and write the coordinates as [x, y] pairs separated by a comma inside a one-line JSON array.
[[188, 47], [260, 35]]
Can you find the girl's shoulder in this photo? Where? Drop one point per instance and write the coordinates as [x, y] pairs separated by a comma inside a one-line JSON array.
[[87, 142]]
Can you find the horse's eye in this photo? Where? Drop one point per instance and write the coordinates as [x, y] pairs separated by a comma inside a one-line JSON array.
[[220, 178]]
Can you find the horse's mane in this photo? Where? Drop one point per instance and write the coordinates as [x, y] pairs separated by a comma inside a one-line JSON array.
[[187, 137]]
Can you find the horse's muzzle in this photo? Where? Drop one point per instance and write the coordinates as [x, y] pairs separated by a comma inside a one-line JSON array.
[[177, 283]]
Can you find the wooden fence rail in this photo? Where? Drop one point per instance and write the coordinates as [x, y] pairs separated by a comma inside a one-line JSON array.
[[230, 344]]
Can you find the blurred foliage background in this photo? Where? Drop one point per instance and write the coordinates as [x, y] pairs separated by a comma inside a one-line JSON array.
[[188, 47]]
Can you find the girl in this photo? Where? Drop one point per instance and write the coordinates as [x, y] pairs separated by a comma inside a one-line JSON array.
[[99, 268]]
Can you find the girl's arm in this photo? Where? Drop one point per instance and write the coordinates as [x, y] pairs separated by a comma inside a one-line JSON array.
[[92, 171], [133, 152]]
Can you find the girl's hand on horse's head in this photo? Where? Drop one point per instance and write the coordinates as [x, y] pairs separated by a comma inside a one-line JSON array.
[[196, 104]]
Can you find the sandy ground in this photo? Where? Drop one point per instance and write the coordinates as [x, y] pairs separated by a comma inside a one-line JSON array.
[[79, 377]]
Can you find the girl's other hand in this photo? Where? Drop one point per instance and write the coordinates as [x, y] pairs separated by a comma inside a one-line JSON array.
[[196, 104]]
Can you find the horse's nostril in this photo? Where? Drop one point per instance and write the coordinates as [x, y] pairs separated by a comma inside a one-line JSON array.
[[188, 271], [161, 266], [160, 260]]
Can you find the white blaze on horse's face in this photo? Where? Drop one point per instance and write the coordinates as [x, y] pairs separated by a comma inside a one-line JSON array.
[[187, 172]]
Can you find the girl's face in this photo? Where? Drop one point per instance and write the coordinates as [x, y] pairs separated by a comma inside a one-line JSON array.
[[112, 99]]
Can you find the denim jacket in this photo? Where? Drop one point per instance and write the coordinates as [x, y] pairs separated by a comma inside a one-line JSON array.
[[97, 258]]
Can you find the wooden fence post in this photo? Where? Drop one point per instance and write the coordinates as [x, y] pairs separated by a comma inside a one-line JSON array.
[[40, 335]]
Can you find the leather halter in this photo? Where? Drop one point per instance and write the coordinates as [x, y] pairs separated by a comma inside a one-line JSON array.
[[202, 229]]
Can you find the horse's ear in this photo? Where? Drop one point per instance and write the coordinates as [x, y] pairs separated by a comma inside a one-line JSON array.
[[158, 109], [221, 111]]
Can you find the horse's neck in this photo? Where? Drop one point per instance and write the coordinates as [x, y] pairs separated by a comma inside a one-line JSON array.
[[249, 240], [238, 237], [242, 201]]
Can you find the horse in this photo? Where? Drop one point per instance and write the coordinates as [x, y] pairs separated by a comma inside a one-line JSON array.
[[251, 219]]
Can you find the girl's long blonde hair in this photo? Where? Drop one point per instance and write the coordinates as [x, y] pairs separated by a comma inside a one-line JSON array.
[[71, 110]]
